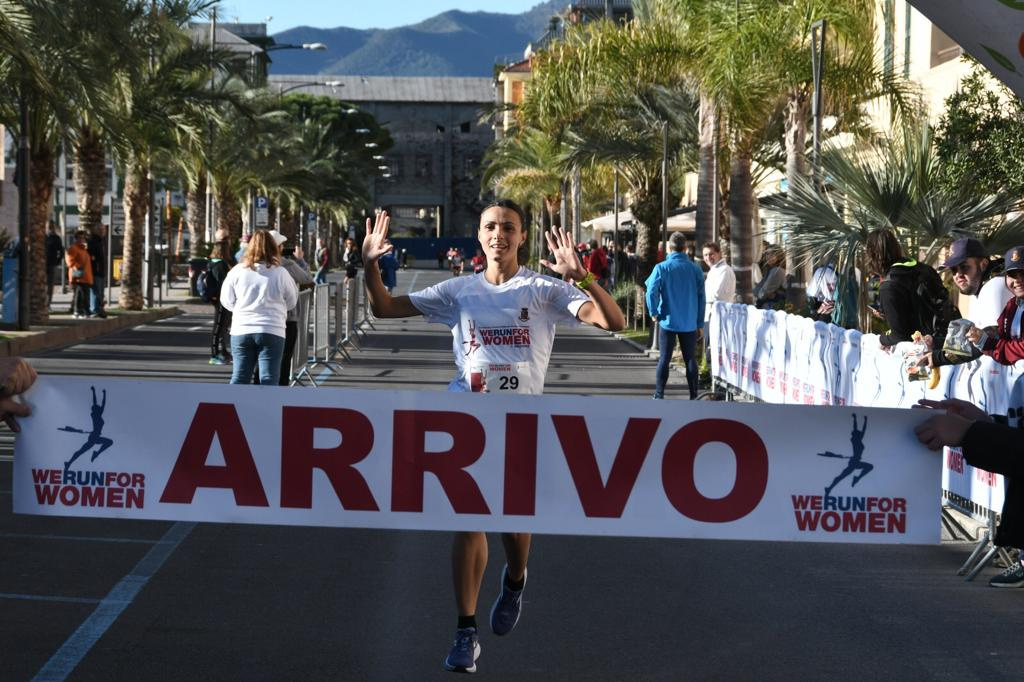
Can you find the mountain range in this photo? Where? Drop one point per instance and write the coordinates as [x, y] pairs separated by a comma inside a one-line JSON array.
[[452, 43]]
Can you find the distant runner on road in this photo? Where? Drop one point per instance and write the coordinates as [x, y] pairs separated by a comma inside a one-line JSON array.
[[503, 326]]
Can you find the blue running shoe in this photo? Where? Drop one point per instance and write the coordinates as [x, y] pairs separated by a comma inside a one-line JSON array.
[[507, 608], [465, 651], [217, 360]]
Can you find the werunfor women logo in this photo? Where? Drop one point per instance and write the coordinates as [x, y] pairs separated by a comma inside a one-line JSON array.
[[831, 513], [95, 438], [84, 486]]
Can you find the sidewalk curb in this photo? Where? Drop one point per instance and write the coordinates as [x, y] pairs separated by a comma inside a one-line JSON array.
[[48, 338], [643, 349]]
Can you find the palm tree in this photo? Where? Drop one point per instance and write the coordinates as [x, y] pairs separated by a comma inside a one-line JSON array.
[[596, 92], [525, 165], [171, 104], [93, 134], [630, 136], [896, 183], [56, 78]]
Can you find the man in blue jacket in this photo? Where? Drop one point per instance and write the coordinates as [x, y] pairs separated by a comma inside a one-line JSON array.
[[675, 298]]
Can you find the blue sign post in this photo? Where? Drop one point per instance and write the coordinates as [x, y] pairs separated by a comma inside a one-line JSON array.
[[262, 211], [10, 286]]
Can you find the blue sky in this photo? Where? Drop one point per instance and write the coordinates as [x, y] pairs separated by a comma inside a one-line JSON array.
[[355, 14]]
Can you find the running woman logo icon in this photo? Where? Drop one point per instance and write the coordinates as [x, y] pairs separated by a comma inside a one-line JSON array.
[[472, 343], [96, 438], [855, 464]]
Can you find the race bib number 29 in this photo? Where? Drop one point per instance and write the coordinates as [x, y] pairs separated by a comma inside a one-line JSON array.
[[496, 376]]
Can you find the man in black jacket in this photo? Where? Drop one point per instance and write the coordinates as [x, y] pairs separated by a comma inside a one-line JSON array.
[[987, 443], [54, 257]]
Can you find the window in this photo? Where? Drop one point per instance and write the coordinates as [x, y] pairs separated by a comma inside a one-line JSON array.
[[423, 166], [943, 48]]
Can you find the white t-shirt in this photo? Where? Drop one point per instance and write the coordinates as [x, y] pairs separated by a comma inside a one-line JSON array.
[[719, 285], [258, 299], [502, 333], [986, 308]]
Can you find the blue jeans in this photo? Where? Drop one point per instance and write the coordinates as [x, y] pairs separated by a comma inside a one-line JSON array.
[[667, 344], [250, 349], [321, 276], [96, 295]]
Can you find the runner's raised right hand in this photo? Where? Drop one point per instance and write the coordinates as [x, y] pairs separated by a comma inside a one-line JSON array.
[[376, 243]]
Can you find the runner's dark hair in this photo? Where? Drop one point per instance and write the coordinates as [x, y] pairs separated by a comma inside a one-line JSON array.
[[510, 205]]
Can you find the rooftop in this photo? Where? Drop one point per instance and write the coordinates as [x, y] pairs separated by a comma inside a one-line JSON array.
[[224, 39], [392, 88]]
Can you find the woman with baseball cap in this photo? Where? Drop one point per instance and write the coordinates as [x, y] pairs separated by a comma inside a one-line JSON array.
[[1005, 342]]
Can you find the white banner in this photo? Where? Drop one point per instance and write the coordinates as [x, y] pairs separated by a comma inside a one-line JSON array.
[[458, 461], [825, 364]]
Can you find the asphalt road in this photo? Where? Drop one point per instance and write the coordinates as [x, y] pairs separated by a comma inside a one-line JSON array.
[[118, 600]]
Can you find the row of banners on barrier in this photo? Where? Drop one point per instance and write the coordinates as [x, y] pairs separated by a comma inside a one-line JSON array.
[[790, 359]]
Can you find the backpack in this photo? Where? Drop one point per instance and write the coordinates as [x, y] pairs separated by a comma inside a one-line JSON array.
[[208, 285]]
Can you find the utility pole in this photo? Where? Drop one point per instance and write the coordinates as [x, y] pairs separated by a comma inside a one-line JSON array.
[[209, 176], [664, 187]]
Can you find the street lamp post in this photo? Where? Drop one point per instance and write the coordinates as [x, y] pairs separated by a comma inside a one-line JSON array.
[[280, 93], [664, 187], [307, 84], [317, 47], [818, 29]]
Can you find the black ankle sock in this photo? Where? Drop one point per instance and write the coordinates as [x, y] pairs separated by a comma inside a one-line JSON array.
[[515, 586], [467, 622]]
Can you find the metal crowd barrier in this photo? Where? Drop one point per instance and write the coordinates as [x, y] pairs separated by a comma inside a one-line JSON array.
[[322, 351], [300, 356], [322, 336], [341, 319]]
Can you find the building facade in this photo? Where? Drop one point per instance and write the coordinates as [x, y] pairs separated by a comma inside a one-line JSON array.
[[429, 180]]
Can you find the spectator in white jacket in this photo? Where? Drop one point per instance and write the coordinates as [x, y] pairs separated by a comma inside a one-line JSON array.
[[259, 293], [720, 282]]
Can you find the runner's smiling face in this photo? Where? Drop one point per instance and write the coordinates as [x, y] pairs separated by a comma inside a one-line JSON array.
[[500, 235]]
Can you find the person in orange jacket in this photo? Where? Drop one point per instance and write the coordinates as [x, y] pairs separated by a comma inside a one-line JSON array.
[[79, 273]]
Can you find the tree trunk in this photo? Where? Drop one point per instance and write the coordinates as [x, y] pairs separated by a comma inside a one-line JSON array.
[[195, 199], [706, 176], [554, 205], [90, 178], [289, 226], [229, 213], [136, 195], [41, 183], [741, 218], [647, 211], [797, 108], [333, 230]]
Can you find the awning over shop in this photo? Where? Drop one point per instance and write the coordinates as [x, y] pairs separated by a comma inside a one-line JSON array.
[[991, 31], [683, 222]]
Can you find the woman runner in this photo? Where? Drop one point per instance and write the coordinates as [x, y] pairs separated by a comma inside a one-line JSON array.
[[503, 323]]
